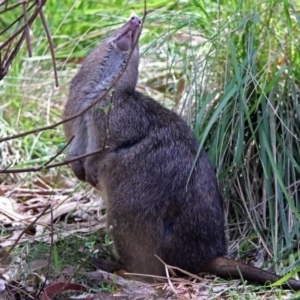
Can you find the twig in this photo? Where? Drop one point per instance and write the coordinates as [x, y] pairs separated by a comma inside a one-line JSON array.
[[15, 21], [49, 256], [59, 152], [8, 57], [65, 162], [169, 279], [27, 33], [12, 6], [11, 57], [2, 171], [51, 45], [30, 21], [23, 232], [54, 165]]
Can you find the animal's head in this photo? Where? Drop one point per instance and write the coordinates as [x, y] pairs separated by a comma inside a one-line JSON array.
[[122, 43], [109, 59]]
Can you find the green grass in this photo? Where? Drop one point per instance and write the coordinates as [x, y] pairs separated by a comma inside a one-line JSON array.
[[67, 252], [231, 68]]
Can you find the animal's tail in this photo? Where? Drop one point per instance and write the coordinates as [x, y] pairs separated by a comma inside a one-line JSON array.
[[226, 267]]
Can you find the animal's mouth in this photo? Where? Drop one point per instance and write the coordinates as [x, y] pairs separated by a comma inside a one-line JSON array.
[[129, 38], [131, 35]]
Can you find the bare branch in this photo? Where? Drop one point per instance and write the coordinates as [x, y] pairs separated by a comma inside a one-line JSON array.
[[54, 165], [59, 152], [51, 45], [23, 232], [27, 29], [30, 21], [49, 255], [12, 6], [6, 61]]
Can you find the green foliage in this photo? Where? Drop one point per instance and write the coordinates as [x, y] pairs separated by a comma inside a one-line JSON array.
[[56, 262], [251, 126], [106, 109]]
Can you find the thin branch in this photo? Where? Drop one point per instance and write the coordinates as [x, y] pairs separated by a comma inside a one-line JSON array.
[[11, 57], [59, 152], [54, 165], [51, 45], [49, 255], [65, 162], [15, 21], [27, 33], [30, 21], [23, 232], [1, 171], [12, 6]]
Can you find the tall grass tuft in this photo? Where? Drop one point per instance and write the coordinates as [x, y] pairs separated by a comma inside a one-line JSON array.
[[247, 117]]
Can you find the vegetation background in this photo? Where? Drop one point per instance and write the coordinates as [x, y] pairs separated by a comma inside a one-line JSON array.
[[230, 68]]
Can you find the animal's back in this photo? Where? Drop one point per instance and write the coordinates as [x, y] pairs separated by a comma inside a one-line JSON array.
[[153, 206]]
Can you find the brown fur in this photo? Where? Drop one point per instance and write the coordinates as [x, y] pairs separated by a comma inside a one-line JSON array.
[[152, 207]]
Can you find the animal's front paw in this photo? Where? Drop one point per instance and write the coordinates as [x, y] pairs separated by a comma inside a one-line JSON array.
[[78, 169], [91, 172]]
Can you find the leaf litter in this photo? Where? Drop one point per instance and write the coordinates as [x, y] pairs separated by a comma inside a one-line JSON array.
[[73, 214]]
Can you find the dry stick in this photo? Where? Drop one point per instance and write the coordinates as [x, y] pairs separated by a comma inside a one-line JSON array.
[[11, 57], [19, 290], [23, 192], [51, 45], [84, 110], [169, 279], [4, 2], [54, 165], [15, 21], [7, 61], [172, 268], [1, 171], [6, 54], [23, 232], [27, 29], [166, 266], [40, 167], [167, 269], [12, 6], [50, 255], [30, 21], [77, 158], [186, 272], [59, 152]]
